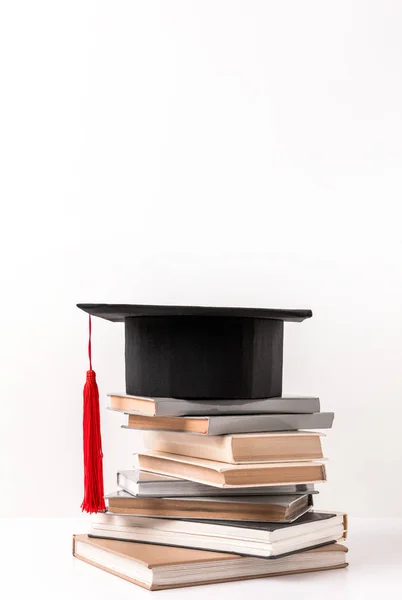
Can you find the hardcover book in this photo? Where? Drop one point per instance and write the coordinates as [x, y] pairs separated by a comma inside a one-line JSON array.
[[221, 474], [239, 448], [268, 540], [143, 484], [220, 425], [178, 407], [283, 509], [152, 567]]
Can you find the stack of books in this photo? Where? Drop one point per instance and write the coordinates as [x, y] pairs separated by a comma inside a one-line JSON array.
[[226, 487], [224, 491]]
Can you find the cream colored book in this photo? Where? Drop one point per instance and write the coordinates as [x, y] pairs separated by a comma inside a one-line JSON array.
[[239, 448], [157, 567], [220, 474]]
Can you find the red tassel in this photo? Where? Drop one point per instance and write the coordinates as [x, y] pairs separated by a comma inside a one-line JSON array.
[[93, 471]]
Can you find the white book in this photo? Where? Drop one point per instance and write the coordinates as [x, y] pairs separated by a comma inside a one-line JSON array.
[[266, 540]]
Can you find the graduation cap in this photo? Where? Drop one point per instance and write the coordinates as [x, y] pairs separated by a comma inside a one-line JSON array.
[[192, 352]]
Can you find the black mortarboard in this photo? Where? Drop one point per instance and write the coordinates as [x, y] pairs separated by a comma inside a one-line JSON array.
[[201, 352], [185, 352]]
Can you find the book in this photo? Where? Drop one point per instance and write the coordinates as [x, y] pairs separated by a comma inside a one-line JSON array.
[[267, 540], [144, 483], [221, 474], [220, 425], [153, 567], [282, 509], [178, 407], [238, 448]]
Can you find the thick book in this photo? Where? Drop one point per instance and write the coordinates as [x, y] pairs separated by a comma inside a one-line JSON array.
[[247, 538], [270, 509], [220, 425], [143, 484], [178, 407], [153, 567], [238, 448], [221, 474]]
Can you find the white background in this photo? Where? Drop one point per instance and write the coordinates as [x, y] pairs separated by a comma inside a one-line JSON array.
[[200, 152]]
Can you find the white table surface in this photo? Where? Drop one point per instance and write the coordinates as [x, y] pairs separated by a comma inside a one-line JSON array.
[[36, 562]]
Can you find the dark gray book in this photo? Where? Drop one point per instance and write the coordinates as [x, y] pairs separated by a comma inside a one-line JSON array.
[[177, 407], [267, 540], [146, 484]]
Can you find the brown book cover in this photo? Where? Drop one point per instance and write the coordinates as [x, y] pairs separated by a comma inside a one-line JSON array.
[[149, 558], [282, 509]]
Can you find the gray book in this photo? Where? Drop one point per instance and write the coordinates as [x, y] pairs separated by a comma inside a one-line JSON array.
[[177, 407], [145, 484], [220, 425]]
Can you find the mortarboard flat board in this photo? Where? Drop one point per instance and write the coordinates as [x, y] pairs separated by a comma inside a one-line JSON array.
[[197, 352]]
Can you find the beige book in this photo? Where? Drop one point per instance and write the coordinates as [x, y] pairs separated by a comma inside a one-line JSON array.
[[157, 567], [188, 424], [220, 474], [239, 448]]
